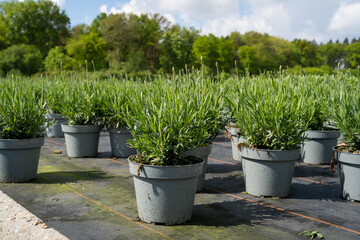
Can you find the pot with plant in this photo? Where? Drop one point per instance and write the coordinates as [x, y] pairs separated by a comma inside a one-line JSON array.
[[53, 93], [236, 141], [84, 109], [233, 132], [207, 95], [346, 115], [165, 177], [268, 113], [22, 116], [116, 104], [319, 137]]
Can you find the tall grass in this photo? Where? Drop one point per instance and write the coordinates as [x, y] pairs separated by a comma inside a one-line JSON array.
[[22, 112], [268, 111]]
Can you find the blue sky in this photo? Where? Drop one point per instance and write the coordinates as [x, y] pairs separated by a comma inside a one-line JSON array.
[[321, 20]]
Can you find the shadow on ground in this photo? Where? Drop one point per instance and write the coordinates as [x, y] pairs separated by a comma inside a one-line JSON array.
[[228, 184], [315, 191], [222, 168], [69, 177], [232, 213]]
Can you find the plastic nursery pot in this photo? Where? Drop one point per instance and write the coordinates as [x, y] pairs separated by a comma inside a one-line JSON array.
[[349, 167], [19, 159], [268, 173], [55, 130], [81, 140], [318, 146], [118, 139], [165, 194], [202, 152], [235, 140]]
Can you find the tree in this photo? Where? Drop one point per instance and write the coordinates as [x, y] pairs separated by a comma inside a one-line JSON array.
[[176, 46], [57, 60], [270, 52], [95, 25], [88, 48], [120, 32], [353, 55], [247, 58], [79, 30], [332, 53], [152, 27], [25, 58], [39, 23], [4, 34], [309, 53], [211, 50]]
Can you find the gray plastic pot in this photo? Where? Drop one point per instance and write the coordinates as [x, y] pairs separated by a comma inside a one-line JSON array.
[[55, 130], [118, 139], [318, 146], [202, 152], [268, 172], [235, 140], [81, 140], [165, 194], [19, 159], [234, 132], [349, 166]]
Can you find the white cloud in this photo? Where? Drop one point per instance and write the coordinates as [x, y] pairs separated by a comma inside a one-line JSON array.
[[319, 20], [273, 20], [60, 3], [103, 8], [346, 19]]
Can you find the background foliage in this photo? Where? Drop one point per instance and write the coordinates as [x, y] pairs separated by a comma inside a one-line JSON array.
[[147, 44]]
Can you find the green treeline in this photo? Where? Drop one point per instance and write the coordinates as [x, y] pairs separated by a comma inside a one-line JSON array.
[[36, 36]]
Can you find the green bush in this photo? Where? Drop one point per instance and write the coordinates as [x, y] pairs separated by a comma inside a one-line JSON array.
[[57, 60], [25, 58], [83, 102], [268, 111], [22, 113]]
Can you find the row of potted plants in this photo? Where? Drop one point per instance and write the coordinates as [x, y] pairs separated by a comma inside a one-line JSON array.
[[170, 120], [266, 121]]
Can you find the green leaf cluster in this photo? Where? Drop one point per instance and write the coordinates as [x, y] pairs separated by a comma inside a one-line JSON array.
[[268, 111], [22, 113], [83, 102], [346, 112], [170, 117]]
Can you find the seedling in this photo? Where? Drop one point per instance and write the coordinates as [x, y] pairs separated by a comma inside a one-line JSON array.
[[312, 234]]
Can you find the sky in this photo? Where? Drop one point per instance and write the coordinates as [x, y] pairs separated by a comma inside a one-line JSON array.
[[321, 20]]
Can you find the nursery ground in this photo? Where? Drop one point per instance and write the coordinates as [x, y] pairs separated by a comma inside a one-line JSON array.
[[94, 198]]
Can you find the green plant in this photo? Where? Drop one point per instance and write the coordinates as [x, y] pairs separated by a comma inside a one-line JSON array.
[[54, 91], [268, 111], [314, 92], [166, 122], [22, 114], [346, 115], [83, 102], [312, 234], [208, 94], [117, 103]]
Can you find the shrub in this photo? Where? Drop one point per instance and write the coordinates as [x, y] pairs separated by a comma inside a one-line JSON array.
[[25, 58]]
